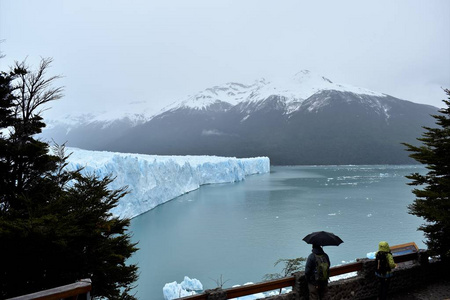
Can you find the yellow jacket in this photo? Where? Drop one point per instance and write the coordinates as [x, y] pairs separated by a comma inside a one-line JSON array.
[[384, 247]]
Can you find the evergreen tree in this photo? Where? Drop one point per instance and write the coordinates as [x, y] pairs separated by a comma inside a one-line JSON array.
[[55, 224], [433, 199]]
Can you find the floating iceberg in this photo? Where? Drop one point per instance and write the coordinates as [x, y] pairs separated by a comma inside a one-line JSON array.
[[187, 287], [153, 180]]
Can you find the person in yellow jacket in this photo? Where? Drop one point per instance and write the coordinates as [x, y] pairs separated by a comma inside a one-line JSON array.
[[384, 265]]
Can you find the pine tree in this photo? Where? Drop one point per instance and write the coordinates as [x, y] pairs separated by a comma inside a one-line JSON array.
[[432, 201], [55, 224]]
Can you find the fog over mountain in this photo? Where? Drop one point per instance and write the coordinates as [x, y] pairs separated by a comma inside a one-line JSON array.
[[308, 119]]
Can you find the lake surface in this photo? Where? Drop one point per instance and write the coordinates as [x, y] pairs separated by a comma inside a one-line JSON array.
[[238, 231]]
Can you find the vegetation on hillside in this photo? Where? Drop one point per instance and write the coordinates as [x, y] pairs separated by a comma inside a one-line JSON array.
[[432, 201], [55, 224]]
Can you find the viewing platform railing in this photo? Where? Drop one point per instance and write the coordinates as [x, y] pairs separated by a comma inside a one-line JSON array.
[[70, 291], [84, 286], [290, 281]]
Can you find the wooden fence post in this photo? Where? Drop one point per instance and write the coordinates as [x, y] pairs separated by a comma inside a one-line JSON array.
[[300, 288]]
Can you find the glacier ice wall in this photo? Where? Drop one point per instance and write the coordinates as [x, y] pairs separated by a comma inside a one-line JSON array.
[[153, 180]]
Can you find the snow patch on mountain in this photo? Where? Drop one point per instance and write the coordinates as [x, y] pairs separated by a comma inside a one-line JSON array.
[[69, 120], [133, 113], [153, 180], [293, 92], [232, 93], [290, 95]]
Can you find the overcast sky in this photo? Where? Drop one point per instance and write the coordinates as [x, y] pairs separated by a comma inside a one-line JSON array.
[[160, 51]]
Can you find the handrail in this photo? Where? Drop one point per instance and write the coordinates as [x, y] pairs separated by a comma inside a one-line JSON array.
[[290, 281], [251, 288], [347, 268], [260, 287], [196, 297], [83, 286]]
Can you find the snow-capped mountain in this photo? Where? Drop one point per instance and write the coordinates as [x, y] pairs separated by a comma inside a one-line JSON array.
[[133, 113], [92, 130], [301, 86], [305, 120]]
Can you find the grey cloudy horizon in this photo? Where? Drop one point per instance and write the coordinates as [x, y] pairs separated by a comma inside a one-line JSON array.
[[117, 52]]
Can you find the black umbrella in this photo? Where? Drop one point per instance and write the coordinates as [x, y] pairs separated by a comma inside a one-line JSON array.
[[323, 238]]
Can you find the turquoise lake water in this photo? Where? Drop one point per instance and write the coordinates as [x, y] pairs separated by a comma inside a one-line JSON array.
[[238, 231]]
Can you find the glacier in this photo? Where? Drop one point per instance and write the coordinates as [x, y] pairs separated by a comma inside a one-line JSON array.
[[153, 179]]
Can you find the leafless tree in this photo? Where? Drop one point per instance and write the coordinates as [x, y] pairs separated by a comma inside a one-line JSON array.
[[34, 89]]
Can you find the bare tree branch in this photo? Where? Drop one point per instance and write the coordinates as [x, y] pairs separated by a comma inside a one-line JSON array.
[[34, 90]]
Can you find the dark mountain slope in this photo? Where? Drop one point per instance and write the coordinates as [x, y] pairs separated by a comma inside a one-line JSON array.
[[330, 127]]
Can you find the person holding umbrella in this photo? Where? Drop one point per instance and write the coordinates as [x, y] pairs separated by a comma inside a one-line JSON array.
[[317, 269]]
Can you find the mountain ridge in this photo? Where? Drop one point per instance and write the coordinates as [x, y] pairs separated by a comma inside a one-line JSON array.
[[307, 84], [306, 120]]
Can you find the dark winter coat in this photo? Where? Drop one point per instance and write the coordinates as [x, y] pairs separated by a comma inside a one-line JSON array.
[[310, 267]]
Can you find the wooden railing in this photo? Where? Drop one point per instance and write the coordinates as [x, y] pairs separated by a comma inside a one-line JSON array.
[[84, 286], [290, 281], [71, 291], [250, 289]]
